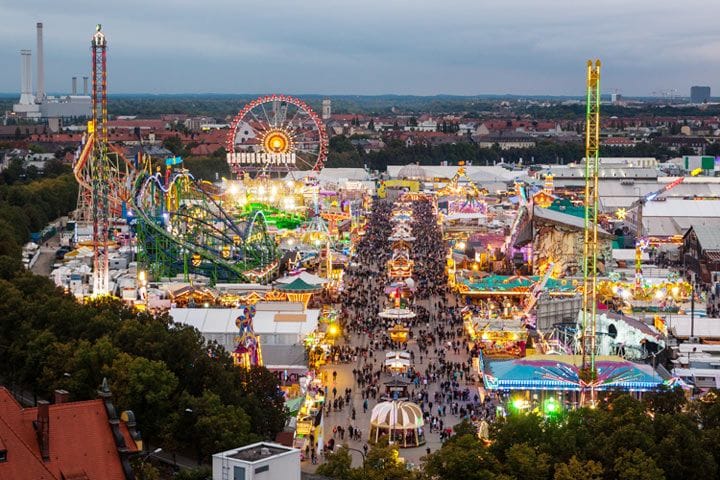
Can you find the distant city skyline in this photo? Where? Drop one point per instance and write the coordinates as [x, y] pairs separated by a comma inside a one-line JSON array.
[[457, 47]]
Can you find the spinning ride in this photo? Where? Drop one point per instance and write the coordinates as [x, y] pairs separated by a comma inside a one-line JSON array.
[[276, 133]]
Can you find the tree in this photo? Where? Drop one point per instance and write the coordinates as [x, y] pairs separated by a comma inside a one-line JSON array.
[[257, 389], [9, 266], [340, 143], [683, 453], [462, 456], [145, 470], [666, 401], [515, 429], [382, 463], [199, 473], [523, 461], [143, 386], [210, 425], [576, 469], [174, 144], [637, 465], [337, 464]]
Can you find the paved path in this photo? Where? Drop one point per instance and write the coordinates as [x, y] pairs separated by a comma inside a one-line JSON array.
[[345, 380]]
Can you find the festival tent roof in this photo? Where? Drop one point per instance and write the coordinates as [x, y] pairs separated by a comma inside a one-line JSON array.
[[504, 283], [298, 285], [215, 321], [306, 277], [558, 217]]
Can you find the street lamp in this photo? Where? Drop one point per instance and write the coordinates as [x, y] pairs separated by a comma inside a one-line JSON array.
[[356, 450], [144, 456]]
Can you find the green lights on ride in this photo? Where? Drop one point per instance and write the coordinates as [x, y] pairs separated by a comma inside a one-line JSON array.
[[551, 407], [519, 404]]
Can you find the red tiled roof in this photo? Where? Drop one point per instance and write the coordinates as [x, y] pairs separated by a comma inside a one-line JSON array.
[[618, 141], [142, 123], [81, 442], [205, 149]]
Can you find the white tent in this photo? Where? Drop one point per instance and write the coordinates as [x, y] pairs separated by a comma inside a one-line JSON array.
[[306, 277]]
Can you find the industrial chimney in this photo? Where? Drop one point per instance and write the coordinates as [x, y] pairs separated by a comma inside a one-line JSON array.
[[26, 96], [85, 86], [74, 85], [40, 97]]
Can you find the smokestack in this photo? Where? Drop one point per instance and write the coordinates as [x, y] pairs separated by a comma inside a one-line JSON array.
[[40, 97], [42, 428], [85, 86], [74, 85], [26, 96], [62, 396]]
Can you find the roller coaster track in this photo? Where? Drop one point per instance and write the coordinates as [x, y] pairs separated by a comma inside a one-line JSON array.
[[167, 251], [122, 173]]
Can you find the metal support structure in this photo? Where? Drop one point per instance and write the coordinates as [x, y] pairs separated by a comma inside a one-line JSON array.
[[590, 240], [99, 168]]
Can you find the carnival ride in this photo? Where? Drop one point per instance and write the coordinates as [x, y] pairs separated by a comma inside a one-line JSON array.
[[538, 288], [248, 352], [641, 242], [590, 231], [276, 133], [182, 228], [181, 224], [464, 198], [103, 174]]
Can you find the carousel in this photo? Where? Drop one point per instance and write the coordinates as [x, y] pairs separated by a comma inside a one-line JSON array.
[[398, 362], [401, 421], [498, 338], [397, 315], [400, 266], [399, 333]]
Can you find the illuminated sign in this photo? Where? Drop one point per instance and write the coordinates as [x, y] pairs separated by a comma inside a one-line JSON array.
[[252, 158]]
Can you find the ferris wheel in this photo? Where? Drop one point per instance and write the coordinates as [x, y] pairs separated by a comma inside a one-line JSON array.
[[276, 133]]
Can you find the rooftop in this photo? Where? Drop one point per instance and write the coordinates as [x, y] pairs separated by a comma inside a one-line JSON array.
[[708, 237], [257, 451], [80, 441]]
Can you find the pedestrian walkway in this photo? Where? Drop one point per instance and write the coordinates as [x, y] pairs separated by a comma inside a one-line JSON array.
[[441, 364]]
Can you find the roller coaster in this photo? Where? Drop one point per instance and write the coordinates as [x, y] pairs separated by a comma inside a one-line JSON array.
[[182, 228], [180, 224]]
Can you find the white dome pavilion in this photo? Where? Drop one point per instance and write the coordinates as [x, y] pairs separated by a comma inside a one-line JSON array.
[[401, 421], [412, 171]]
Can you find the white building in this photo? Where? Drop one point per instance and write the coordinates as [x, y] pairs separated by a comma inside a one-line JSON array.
[[259, 461], [281, 326]]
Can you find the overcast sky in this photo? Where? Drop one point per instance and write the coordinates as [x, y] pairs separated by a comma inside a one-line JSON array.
[[370, 47]]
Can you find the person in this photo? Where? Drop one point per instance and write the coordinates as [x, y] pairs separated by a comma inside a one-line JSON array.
[[365, 448]]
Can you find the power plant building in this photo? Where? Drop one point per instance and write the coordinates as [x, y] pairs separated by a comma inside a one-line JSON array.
[[41, 106]]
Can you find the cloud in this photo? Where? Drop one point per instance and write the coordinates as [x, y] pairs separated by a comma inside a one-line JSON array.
[[370, 47]]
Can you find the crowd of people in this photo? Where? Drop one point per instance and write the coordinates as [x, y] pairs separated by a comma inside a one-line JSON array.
[[440, 377], [428, 253]]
